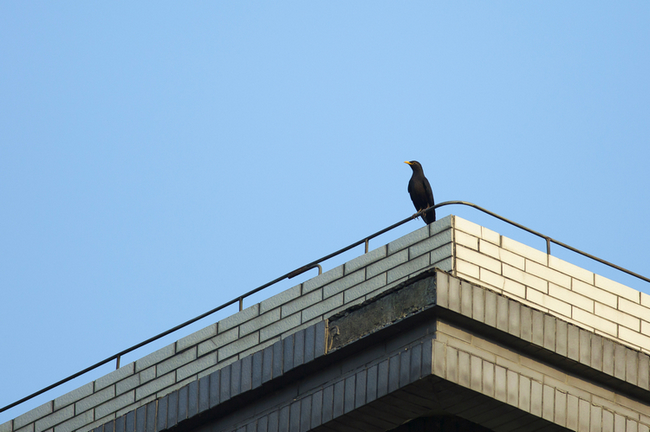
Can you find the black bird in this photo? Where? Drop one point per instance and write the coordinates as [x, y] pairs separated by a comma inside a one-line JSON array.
[[421, 193]]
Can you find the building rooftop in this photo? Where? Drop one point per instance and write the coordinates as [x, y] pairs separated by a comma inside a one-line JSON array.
[[452, 324]]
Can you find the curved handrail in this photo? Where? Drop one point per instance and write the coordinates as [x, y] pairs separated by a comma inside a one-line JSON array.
[[311, 265]]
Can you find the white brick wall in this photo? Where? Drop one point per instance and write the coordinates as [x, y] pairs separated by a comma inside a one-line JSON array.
[[548, 283]]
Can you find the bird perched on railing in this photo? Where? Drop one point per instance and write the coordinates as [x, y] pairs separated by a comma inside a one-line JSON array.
[[421, 193]]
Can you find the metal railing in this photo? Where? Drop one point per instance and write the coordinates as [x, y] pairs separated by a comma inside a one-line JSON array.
[[307, 267]]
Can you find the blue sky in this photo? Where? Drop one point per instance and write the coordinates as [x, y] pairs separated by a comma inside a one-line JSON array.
[[158, 159]]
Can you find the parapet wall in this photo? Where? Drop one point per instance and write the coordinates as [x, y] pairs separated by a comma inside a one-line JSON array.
[[552, 285], [451, 244], [235, 337]]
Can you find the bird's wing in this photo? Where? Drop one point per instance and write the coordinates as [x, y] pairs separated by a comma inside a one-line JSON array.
[[428, 191]]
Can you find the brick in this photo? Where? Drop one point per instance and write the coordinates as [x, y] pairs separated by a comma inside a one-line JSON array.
[[115, 404], [259, 322], [512, 259], [437, 241], [407, 269], [489, 249], [619, 317], [570, 269], [466, 269], [491, 236], [322, 279], [154, 386], [302, 302], [118, 374], [196, 366], [407, 240], [634, 338], [632, 308], [321, 308], [153, 358], [365, 288], [478, 259], [55, 418], [74, 396], [551, 303], [514, 288], [279, 327], [127, 384], [76, 422], [95, 399], [196, 337], [618, 289], [147, 374], [240, 345], [344, 283], [594, 293], [285, 296], [524, 250], [220, 340], [175, 362], [571, 297], [446, 264], [238, 318], [386, 264], [8, 427], [30, 416], [364, 260], [492, 279], [525, 278], [466, 240], [594, 321], [546, 273], [467, 226], [439, 255], [645, 299]]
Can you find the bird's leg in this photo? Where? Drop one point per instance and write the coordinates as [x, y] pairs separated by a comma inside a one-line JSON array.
[[417, 214]]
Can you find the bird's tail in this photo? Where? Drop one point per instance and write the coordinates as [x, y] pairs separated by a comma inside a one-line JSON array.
[[429, 216]]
